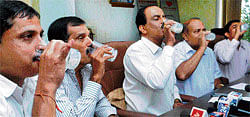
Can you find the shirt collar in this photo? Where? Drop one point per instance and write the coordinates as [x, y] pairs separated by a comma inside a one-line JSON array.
[[17, 94], [86, 67], [152, 46], [242, 44], [8, 88], [188, 48], [71, 71]]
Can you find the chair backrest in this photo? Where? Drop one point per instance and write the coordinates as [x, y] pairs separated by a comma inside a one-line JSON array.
[[218, 38], [114, 71], [219, 32]]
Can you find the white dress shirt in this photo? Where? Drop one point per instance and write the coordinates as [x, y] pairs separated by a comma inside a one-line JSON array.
[[149, 82], [234, 63], [14, 100]]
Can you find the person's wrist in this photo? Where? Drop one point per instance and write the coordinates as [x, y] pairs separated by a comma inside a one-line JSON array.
[[47, 93], [237, 35], [96, 78], [46, 88], [113, 115], [44, 91], [236, 38], [177, 100], [202, 47], [219, 86], [170, 44]]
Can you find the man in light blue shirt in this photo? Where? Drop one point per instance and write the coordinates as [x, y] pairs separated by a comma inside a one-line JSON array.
[[80, 93], [197, 70]]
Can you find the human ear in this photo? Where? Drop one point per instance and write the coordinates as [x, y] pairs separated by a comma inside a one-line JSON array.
[[142, 29], [227, 34], [184, 35]]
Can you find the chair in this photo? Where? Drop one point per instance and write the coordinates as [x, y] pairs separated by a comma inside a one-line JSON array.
[[219, 32], [114, 76]]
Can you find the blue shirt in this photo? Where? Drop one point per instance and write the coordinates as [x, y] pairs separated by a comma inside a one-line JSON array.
[[201, 81], [74, 103]]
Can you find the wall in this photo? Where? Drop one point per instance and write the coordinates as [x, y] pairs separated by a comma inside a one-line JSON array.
[[204, 9], [35, 5], [116, 23], [50, 10], [27, 2], [109, 23]]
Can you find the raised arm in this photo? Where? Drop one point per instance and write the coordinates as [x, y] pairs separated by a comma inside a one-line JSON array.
[[224, 50], [224, 53], [51, 74], [186, 68]]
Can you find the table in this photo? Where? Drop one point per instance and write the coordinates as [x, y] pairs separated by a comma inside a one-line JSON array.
[[202, 102]]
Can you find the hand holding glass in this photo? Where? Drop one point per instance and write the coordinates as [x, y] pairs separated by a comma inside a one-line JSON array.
[[72, 60], [244, 27], [176, 27], [96, 45], [210, 36]]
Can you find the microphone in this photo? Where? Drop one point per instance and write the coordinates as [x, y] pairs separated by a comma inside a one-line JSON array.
[[198, 112], [233, 102], [247, 88]]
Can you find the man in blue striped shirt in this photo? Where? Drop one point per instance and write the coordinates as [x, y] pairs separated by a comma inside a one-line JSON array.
[[80, 93]]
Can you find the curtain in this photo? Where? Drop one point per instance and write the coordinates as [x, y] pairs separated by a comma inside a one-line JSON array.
[[231, 10]]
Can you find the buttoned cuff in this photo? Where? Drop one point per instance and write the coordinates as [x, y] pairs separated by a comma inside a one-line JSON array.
[[107, 112], [235, 43], [92, 89], [177, 97], [168, 50]]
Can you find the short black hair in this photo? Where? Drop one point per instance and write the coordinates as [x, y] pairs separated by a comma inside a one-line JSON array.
[[58, 30], [141, 17], [9, 10], [227, 26]]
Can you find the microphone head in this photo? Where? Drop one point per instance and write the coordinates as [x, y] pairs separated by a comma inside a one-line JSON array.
[[247, 88]]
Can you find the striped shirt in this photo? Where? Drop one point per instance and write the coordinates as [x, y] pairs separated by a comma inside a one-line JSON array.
[[234, 62], [92, 100], [69, 98]]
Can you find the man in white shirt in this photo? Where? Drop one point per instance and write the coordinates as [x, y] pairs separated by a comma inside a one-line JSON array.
[[149, 82], [20, 35], [233, 54]]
